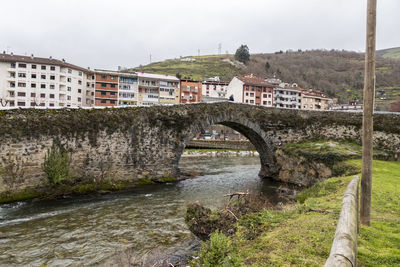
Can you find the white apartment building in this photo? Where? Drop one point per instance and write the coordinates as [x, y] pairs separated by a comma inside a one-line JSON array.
[[128, 89], [214, 89], [287, 96], [157, 89], [252, 90], [28, 81]]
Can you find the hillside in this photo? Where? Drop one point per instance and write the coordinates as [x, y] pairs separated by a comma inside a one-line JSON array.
[[337, 73], [197, 68], [393, 53]]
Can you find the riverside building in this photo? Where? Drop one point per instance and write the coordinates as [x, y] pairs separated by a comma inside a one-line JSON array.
[[28, 81], [250, 89]]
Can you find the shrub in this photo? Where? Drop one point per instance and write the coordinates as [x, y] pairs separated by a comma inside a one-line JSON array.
[[56, 165], [216, 252]]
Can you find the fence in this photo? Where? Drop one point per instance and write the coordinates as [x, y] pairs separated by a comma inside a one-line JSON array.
[[344, 246]]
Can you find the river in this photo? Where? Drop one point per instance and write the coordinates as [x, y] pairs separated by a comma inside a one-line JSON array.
[[88, 230]]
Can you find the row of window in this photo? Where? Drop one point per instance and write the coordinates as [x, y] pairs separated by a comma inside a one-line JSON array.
[[42, 76], [42, 95], [42, 67], [264, 95], [42, 86], [258, 89]]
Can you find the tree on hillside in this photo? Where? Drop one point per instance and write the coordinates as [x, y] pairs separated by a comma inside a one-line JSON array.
[[267, 66], [242, 54]]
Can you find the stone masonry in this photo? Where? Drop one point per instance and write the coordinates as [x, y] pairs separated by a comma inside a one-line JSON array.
[[147, 142]]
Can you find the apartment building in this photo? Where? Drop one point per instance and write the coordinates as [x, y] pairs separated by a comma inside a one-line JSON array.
[[287, 96], [250, 89], [28, 81], [106, 88], [314, 100], [191, 91], [128, 89], [214, 89], [155, 89]]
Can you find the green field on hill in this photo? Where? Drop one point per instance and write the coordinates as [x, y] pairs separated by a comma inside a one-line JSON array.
[[196, 68], [393, 53]]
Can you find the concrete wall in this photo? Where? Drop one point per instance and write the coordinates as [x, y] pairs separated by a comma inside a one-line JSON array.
[[147, 142]]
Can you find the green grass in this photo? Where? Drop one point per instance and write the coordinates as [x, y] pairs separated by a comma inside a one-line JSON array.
[[393, 53], [202, 68], [299, 236]]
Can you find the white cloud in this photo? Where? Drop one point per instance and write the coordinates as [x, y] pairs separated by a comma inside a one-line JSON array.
[[105, 34]]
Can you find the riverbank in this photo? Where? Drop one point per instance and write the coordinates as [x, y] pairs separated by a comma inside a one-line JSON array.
[[302, 232], [219, 153]]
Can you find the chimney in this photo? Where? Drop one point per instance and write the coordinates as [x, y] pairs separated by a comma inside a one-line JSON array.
[[63, 60], [4, 52], [31, 55], [51, 57]]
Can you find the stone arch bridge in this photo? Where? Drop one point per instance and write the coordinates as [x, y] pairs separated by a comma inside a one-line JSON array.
[[147, 142]]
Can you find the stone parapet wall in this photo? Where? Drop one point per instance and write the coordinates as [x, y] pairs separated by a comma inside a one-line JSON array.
[[147, 142]]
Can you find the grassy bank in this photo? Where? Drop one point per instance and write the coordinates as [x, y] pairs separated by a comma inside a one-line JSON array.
[[301, 233]]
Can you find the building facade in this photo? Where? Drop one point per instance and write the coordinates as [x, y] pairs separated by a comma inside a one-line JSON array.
[[191, 91], [252, 90], [106, 88], [287, 97], [28, 81], [314, 100], [214, 89]]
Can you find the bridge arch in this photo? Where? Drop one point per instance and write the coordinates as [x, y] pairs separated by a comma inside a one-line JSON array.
[[263, 142]]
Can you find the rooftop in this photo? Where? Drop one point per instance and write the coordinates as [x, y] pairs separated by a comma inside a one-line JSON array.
[[40, 60]]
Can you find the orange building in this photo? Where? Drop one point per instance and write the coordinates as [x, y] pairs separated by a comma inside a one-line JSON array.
[[106, 89], [190, 91]]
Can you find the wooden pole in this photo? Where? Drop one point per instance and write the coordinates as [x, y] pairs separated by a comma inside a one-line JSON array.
[[368, 109]]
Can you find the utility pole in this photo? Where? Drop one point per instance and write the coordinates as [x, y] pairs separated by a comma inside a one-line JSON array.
[[368, 110]]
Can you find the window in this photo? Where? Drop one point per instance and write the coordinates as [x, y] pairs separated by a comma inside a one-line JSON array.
[[52, 77], [104, 76], [251, 94], [33, 66], [68, 97], [51, 104], [112, 93], [103, 85], [21, 104], [69, 89], [69, 80], [12, 84], [79, 99], [22, 65], [264, 102], [112, 101], [43, 76], [112, 85], [33, 85], [51, 95], [79, 82], [13, 65], [52, 86], [33, 76], [33, 94], [247, 101], [80, 73], [80, 91], [21, 84], [247, 94], [43, 86], [251, 101], [112, 77], [69, 71], [53, 68], [21, 94], [43, 67], [43, 95], [265, 95], [22, 75], [103, 93], [104, 101]]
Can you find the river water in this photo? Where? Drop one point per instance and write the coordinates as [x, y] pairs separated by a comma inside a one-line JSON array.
[[87, 230]]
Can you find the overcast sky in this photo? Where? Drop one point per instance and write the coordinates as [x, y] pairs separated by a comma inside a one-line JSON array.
[[106, 34]]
